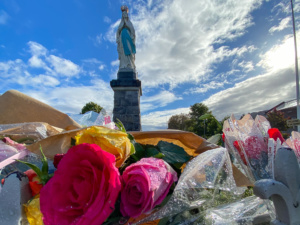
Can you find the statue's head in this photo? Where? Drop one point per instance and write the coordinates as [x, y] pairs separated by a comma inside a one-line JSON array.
[[124, 8]]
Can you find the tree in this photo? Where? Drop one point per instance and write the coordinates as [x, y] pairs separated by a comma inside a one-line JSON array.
[[196, 125], [199, 121], [178, 122], [91, 106], [198, 110], [277, 120]]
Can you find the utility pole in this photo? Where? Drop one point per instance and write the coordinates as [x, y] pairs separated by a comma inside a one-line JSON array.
[[296, 64]]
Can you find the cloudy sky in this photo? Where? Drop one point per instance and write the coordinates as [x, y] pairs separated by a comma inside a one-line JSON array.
[[234, 56]]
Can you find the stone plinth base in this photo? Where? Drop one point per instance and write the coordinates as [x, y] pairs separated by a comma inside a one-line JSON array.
[[127, 92]]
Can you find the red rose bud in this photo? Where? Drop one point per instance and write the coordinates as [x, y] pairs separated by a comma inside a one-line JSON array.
[[241, 153], [223, 137], [34, 182], [275, 134], [57, 159]]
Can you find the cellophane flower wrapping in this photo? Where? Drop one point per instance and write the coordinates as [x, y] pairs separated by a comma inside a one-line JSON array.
[[247, 211], [207, 181], [294, 143], [247, 141]]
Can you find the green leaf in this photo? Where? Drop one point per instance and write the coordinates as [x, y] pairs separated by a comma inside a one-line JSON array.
[[73, 142], [151, 151], [32, 166], [130, 137], [132, 149], [139, 152], [215, 139], [120, 125], [177, 165], [45, 163], [173, 153], [159, 156]]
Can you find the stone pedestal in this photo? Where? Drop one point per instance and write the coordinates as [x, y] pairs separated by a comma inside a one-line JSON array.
[[127, 91]]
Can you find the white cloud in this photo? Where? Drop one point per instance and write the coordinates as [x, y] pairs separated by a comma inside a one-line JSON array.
[[94, 61], [63, 66], [279, 56], [159, 100], [71, 99], [115, 63], [3, 17], [159, 119], [34, 61], [246, 66], [255, 94], [111, 33], [40, 80], [99, 39], [107, 19], [37, 49], [284, 23], [262, 92], [206, 87], [39, 71]]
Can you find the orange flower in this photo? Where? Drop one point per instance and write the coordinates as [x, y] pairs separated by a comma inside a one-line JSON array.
[[34, 182]]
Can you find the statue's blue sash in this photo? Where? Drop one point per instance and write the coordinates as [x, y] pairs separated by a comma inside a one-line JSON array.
[[125, 40]]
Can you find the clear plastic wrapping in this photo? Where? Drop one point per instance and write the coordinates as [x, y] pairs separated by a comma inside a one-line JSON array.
[[207, 181]]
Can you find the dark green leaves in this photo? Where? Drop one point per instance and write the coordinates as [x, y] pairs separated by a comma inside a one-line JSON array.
[[173, 153], [169, 152]]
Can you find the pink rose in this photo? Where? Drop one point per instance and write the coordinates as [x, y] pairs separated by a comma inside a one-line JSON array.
[[147, 183], [84, 188]]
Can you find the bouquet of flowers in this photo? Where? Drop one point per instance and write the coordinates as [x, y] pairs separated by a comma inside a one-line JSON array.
[[109, 176], [253, 144]]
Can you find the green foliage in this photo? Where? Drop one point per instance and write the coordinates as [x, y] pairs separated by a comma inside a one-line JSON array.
[[169, 152], [178, 122], [174, 154], [42, 174], [277, 120], [202, 122], [198, 109], [199, 121], [91, 106]]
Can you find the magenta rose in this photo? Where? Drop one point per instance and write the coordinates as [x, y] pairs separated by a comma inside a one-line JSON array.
[[84, 188], [147, 183]]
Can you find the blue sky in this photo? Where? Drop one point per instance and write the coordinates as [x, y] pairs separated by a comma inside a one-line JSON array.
[[234, 56]]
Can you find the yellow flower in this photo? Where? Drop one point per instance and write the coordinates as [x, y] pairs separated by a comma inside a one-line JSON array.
[[33, 212], [112, 141]]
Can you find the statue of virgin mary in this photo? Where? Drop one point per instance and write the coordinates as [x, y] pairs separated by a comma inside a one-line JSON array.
[[126, 42]]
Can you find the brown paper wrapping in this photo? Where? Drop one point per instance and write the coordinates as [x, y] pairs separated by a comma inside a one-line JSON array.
[[16, 107]]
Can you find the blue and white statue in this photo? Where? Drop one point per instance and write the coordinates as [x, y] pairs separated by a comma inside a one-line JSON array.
[[126, 42]]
